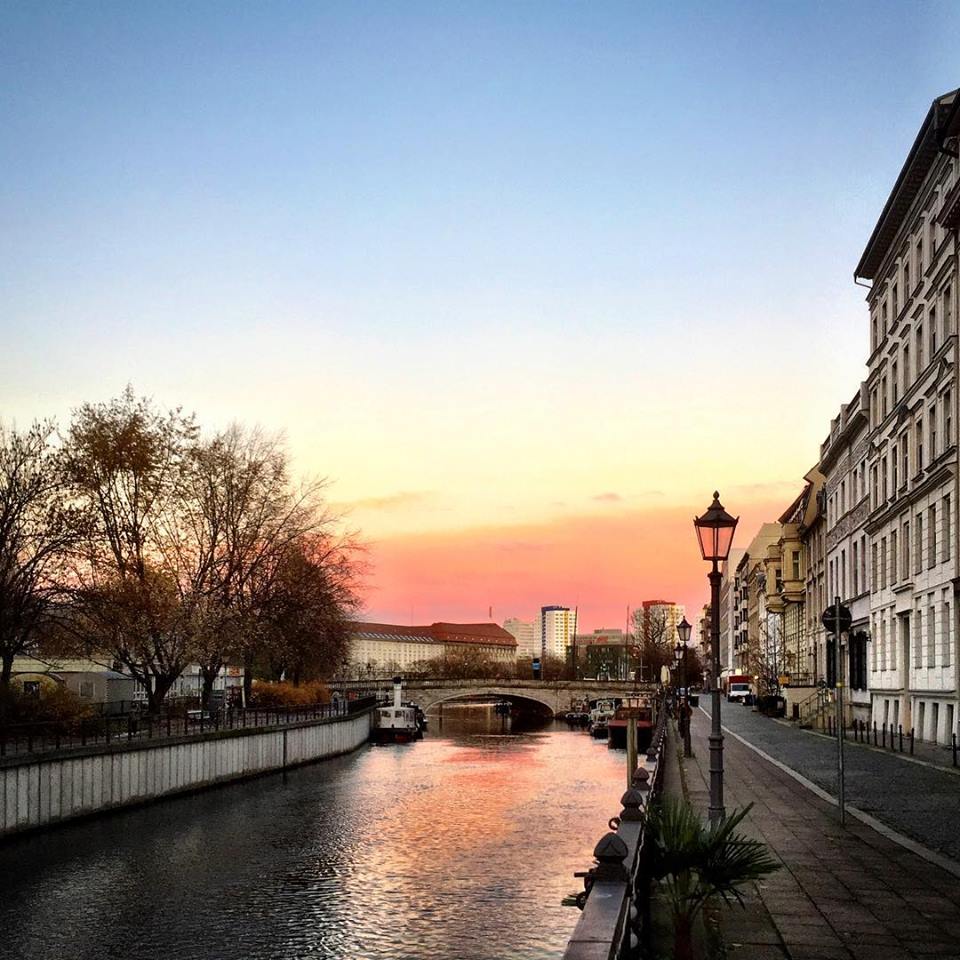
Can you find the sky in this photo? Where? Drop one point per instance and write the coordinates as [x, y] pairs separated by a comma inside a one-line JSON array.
[[526, 281]]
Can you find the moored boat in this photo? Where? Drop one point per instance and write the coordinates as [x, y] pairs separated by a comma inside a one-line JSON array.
[[600, 716], [639, 708], [398, 722]]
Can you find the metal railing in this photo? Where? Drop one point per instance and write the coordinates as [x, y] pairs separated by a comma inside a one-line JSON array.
[[31, 739], [615, 922]]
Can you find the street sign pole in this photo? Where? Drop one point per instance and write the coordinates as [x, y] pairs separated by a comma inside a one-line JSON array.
[[837, 620], [838, 680]]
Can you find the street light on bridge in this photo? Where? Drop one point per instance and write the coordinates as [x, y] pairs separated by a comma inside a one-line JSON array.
[[683, 632], [715, 530]]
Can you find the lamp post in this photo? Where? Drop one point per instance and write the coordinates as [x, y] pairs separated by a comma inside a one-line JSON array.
[[683, 631], [715, 530]]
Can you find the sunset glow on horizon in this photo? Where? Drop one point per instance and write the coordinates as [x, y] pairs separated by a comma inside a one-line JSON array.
[[526, 283]]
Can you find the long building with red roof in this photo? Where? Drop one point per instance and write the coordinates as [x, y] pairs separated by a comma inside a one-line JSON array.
[[382, 648]]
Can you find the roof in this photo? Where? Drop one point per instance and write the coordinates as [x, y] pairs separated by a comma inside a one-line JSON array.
[[942, 120], [481, 633]]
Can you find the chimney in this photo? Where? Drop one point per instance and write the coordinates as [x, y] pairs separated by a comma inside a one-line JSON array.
[[397, 692]]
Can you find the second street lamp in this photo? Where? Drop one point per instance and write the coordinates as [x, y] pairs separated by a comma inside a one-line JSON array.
[[683, 631], [715, 530]]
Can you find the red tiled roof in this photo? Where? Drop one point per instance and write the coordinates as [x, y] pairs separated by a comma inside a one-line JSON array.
[[485, 633]]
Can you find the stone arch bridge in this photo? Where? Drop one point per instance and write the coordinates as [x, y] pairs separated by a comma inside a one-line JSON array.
[[555, 695]]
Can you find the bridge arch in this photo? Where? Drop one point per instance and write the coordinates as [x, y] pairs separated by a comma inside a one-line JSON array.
[[430, 698]]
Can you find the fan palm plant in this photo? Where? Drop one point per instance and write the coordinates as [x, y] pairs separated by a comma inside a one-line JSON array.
[[697, 863]]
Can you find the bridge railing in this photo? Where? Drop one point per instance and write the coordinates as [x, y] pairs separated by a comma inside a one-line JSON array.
[[615, 922]]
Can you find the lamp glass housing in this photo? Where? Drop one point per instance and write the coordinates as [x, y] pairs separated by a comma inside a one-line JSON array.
[[683, 630], [715, 530]]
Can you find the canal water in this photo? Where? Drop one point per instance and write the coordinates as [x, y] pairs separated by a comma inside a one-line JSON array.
[[459, 847]]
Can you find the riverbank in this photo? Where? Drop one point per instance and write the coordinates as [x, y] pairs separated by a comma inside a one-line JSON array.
[[48, 789]]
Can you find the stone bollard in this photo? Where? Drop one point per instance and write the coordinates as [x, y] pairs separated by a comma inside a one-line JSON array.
[[632, 802], [641, 779], [610, 853]]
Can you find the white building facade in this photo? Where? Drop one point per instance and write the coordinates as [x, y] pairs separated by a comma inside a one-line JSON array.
[[843, 462], [557, 626], [912, 459], [525, 632]]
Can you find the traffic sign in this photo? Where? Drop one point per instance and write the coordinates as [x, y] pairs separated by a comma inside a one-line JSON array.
[[829, 618]]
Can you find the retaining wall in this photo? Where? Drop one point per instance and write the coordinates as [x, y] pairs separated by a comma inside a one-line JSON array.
[[35, 792]]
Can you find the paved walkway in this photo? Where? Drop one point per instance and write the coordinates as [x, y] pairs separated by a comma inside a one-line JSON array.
[[917, 800], [847, 893]]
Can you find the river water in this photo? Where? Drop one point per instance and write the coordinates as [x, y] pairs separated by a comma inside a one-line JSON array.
[[459, 847]]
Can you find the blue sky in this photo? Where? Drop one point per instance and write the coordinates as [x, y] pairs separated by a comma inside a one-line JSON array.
[[431, 239]]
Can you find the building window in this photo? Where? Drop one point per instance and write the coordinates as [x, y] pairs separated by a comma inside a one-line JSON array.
[[883, 563], [906, 278], [907, 371], [905, 547], [31, 688], [947, 420], [893, 556], [931, 537], [919, 444], [918, 638], [933, 331], [931, 634], [896, 303], [895, 380], [905, 455], [883, 398], [945, 632], [945, 520], [86, 689], [874, 571], [919, 250], [947, 313], [933, 434], [894, 460], [918, 543], [855, 571]]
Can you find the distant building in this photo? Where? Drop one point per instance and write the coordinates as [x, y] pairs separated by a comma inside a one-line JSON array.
[[557, 628], [378, 649], [525, 633], [605, 654], [729, 607], [656, 621]]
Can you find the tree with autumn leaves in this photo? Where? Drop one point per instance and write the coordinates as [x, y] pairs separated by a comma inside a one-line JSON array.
[[153, 546]]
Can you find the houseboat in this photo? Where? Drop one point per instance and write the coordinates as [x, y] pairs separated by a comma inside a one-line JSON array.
[[600, 716], [640, 708]]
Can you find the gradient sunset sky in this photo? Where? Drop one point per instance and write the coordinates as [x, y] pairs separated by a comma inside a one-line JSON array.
[[526, 280]]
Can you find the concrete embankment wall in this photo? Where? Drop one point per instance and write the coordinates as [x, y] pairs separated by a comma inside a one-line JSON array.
[[37, 791]]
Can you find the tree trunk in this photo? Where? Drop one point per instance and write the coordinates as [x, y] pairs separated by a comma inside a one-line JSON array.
[[682, 937], [209, 675], [157, 692], [247, 679], [6, 670]]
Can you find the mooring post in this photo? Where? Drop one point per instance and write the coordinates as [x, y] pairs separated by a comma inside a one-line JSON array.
[[631, 749]]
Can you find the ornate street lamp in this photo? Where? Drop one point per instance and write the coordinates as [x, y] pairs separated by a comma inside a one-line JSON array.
[[683, 631], [715, 531]]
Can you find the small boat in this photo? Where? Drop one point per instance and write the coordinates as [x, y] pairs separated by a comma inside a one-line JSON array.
[[600, 717], [640, 708], [397, 723], [579, 713]]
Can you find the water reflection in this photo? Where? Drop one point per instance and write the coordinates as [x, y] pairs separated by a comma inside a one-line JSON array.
[[459, 846]]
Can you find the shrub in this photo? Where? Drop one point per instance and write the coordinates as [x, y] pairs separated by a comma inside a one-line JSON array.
[[267, 694]]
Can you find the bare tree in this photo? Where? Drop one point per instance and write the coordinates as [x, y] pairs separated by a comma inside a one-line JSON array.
[[653, 644], [124, 462], [35, 534]]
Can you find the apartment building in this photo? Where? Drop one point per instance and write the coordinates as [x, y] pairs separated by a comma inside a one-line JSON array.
[[752, 640], [729, 607], [911, 461], [556, 628]]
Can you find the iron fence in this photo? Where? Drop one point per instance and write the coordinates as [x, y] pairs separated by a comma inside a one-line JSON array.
[[20, 739]]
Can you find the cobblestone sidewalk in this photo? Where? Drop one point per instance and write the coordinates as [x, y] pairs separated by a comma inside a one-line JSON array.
[[847, 893]]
